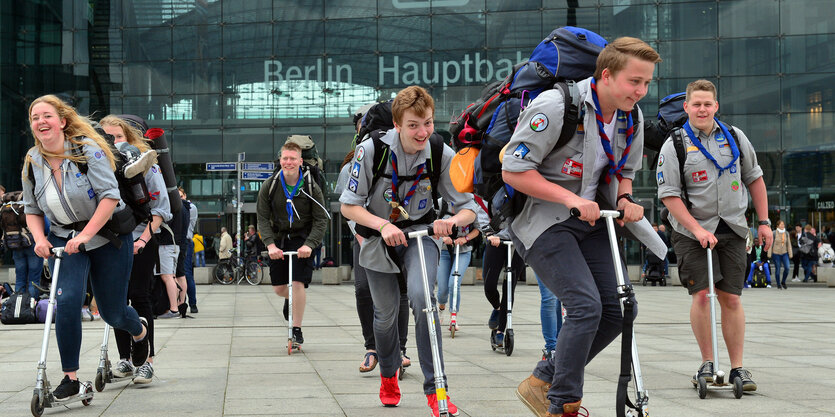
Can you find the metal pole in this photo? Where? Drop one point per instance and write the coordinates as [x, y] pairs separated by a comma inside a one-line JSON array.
[[241, 158]]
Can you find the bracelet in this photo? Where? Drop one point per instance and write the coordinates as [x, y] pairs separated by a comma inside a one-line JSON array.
[[143, 241], [383, 225]]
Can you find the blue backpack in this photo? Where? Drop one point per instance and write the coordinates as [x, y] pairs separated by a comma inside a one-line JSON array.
[[566, 55]]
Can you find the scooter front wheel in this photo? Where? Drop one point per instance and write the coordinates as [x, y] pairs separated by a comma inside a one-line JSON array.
[[738, 387], [702, 387], [99, 382], [35, 406], [289, 347], [508, 342], [88, 390]]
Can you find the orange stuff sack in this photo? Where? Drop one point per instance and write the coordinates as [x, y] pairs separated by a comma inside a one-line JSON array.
[[462, 169]]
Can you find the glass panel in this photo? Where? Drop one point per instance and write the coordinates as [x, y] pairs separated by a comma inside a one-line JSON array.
[[196, 146], [257, 142], [350, 36], [150, 108], [505, 6], [298, 9], [517, 29], [398, 34], [763, 131], [808, 131], [247, 11], [196, 42], [812, 93], [205, 108], [678, 21], [247, 40], [338, 10], [458, 31], [405, 7], [629, 20], [798, 17], [688, 59], [146, 78], [299, 38], [752, 56], [194, 77], [746, 95], [749, 18], [810, 53], [583, 17], [136, 42]]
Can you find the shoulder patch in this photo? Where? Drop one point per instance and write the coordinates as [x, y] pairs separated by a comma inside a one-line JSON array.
[[660, 160], [97, 155], [660, 178], [355, 170], [352, 185], [521, 151], [539, 122], [360, 153]]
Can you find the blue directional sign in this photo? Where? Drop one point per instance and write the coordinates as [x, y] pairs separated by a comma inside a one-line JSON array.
[[221, 166], [258, 166], [256, 175]]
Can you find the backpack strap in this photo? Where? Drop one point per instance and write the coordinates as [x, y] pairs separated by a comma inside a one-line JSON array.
[[434, 163], [571, 114], [82, 166], [681, 156], [381, 151]]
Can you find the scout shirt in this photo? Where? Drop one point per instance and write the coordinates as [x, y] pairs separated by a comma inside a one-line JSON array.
[[160, 205], [79, 194], [373, 254], [532, 147], [712, 196]]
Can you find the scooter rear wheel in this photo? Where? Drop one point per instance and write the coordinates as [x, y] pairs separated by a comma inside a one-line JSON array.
[[702, 387], [99, 382], [35, 406], [738, 387], [289, 347], [493, 340], [88, 390], [508, 342]]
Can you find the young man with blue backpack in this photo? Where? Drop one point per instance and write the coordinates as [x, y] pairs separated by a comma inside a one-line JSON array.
[[592, 169]]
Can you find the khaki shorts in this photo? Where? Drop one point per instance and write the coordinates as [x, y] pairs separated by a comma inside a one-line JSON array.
[[168, 259], [729, 260]]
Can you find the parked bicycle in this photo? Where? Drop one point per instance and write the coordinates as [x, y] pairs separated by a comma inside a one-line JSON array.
[[235, 268]]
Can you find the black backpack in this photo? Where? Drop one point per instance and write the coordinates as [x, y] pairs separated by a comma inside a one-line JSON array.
[[378, 117], [18, 309], [13, 222]]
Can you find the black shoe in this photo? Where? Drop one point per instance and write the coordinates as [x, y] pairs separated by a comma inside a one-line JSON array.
[[182, 309], [140, 349], [286, 309], [193, 309], [493, 321], [748, 384], [67, 388], [297, 335], [705, 371]]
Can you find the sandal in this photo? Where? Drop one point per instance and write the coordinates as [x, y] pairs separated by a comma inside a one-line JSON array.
[[369, 363]]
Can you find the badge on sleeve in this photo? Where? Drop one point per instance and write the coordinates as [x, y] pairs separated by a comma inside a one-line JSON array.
[[352, 185], [521, 151], [355, 170], [660, 178], [422, 204], [91, 193], [539, 122], [573, 168], [660, 160], [387, 195], [699, 176], [98, 154], [360, 154], [154, 195]]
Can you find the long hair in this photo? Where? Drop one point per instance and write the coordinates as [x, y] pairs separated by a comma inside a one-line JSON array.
[[77, 128], [132, 135]]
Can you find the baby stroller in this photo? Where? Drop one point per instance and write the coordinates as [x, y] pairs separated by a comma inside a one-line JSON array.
[[654, 271]]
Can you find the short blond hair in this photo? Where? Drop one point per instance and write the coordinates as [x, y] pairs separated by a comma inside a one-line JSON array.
[[700, 85], [616, 54]]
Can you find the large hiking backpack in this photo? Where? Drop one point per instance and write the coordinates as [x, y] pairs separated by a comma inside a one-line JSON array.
[[159, 143], [671, 115], [312, 164], [566, 55], [13, 222], [378, 117]]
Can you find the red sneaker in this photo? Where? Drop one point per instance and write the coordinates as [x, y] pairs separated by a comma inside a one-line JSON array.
[[390, 391], [432, 399]]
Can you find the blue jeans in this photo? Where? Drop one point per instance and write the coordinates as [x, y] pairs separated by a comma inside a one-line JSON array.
[[550, 314], [781, 261], [189, 267], [446, 280], [807, 268], [199, 258], [109, 271], [28, 268]]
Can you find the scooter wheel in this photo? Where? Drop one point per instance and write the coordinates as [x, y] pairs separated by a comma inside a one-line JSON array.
[[508, 342], [493, 340], [702, 387], [88, 390], [99, 382], [36, 406], [663, 282], [289, 347], [452, 330], [401, 373], [738, 387]]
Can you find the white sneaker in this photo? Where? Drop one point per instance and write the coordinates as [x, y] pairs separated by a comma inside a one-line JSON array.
[[86, 315], [123, 368], [795, 279], [768, 286], [144, 374]]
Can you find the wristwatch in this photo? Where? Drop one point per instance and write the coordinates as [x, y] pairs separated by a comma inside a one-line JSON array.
[[628, 198], [766, 222]]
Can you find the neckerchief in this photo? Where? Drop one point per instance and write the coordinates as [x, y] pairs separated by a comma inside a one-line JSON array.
[[604, 138], [394, 181], [289, 205], [698, 143]]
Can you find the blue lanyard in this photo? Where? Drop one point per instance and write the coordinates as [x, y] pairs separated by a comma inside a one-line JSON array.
[[698, 143], [289, 205]]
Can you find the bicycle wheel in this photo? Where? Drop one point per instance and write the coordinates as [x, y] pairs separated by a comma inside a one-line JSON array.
[[254, 273], [224, 273]]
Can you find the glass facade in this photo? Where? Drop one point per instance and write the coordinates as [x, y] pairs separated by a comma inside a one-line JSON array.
[[224, 77]]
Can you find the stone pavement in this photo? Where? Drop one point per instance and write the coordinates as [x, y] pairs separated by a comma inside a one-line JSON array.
[[231, 360]]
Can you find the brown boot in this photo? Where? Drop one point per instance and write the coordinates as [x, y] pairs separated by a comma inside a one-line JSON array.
[[570, 410], [534, 393]]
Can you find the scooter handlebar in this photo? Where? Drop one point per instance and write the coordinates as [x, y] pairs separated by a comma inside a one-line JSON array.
[[615, 214], [430, 231]]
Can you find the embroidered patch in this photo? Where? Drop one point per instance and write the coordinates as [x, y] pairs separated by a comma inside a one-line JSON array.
[[735, 185], [91, 193], [422, 204], [521, 151], [387, 195], [733, 169], [154, 195], [720, 137], [692, 149], [660, 178], [580, 129], [539, 122], [355, 170], [60, 291], [360, 154], [699, 176], [573, 168], [98, 154], [154, 169], [353, 184], [660, 160]]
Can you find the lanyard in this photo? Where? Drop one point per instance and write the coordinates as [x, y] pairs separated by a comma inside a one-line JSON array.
[[698, 143], [604, 138], [289, 205], [394, 185]]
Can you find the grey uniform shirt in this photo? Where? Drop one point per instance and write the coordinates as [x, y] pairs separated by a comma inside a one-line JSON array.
[[712, 197], [160, 206], [532, 147], [80, 193], [341, 183], [373, 255]]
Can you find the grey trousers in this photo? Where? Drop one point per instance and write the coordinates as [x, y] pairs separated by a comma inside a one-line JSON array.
[[385, 292], [573, 260]]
